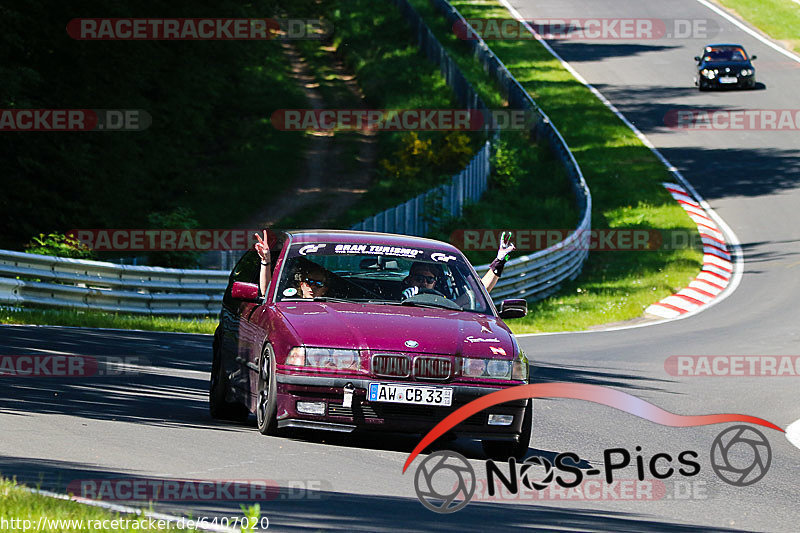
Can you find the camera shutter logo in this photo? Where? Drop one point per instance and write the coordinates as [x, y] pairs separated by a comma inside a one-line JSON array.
[[450, 473], [735, 441], [536, 461]]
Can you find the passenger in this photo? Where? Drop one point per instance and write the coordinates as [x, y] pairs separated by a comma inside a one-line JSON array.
[[312, 280], [265, 275], [496, 268]]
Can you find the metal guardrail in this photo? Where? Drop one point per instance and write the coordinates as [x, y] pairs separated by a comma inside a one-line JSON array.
[[414, 216], [79, 284], [532, 276]]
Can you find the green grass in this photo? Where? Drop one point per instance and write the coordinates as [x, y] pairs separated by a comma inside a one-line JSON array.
[[94, 319], [624, 177], [18, 504], [780, 19]]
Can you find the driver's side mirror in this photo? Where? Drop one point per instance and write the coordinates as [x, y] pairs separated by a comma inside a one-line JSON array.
[[513, 308], [753, 58], [697, 58], [247, 292]]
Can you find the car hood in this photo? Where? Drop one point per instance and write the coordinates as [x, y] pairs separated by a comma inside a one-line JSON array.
[[397, 328]]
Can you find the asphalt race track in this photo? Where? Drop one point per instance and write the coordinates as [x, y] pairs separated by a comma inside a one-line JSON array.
[[152, 421]]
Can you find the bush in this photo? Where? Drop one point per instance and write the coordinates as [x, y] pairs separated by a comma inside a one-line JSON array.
[[178, 218], [419, 164], [59, 245]]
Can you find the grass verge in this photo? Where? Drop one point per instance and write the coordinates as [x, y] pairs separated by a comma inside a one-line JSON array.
[[624, 177], [94, 319], [780, 19], [22, 511]]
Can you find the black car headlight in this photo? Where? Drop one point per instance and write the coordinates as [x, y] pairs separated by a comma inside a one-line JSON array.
[[746, 72], [708, 73]]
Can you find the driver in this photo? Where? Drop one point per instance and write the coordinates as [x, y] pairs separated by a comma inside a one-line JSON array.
[[421, 277]]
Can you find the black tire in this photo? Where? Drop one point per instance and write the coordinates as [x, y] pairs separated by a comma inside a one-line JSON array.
[[502, 450], [266, 401], [218, 406]]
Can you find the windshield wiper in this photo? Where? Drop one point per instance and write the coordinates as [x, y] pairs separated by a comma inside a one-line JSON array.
[[447, 304], [334, 300]]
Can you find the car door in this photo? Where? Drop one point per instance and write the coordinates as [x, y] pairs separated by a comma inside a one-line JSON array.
[[261, 318], [239, 334]]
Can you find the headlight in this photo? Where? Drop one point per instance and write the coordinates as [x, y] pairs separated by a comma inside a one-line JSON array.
[[495, 368], [708, 73], [325, 358], [746, 72]]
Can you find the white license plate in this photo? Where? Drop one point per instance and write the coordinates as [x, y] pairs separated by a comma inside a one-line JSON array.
[[728, 79], [413, 394]]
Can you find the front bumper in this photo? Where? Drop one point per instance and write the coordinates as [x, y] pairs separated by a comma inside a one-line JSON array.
[[742, 82], [388, 417]]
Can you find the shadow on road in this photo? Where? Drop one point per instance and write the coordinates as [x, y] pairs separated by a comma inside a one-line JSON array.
[[166, 387], [301, 505]]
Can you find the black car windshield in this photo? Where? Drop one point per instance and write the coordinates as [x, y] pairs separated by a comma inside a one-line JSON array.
[[381, 274], [724, 53]]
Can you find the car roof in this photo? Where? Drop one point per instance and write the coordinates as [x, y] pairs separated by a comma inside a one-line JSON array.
[[724, 44], [366, 237]]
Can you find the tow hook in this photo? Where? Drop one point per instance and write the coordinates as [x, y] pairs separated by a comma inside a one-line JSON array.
[[349, 389]]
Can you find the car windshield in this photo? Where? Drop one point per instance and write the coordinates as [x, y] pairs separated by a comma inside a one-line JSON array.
[[381, 274], [724, 53]]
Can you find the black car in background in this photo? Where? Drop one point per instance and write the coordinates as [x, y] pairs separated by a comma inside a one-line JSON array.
[[725, 65]]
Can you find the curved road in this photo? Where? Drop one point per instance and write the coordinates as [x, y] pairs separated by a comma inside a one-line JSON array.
[[152, 423]]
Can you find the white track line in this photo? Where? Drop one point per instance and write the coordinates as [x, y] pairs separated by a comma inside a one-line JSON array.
[[732, 239], [733, 20], [793, 433], [122, 509]]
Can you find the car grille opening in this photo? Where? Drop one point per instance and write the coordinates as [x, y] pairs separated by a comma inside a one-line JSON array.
[[363, 411], [391, 365], [434, 368]]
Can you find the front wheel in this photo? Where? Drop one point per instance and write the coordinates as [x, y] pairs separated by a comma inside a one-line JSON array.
[[501, 450], [267, 394]]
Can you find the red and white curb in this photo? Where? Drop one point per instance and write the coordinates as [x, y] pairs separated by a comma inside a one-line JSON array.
[[714, 277]]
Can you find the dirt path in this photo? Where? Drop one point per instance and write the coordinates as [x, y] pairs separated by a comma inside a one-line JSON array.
[[326, 188]]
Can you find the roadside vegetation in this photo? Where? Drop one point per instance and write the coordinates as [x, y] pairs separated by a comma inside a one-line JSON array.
[[376, 45], [96, 319], [210, 149], [780, 19]]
